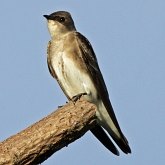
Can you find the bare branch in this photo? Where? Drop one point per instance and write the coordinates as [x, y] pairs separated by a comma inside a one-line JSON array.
[[39, 141]]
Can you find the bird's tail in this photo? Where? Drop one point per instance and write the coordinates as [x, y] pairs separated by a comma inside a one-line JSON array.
[[101, 135], [122, 143], [109, 122]]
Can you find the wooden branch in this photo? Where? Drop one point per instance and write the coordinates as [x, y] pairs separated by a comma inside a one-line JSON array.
[[38, 142]]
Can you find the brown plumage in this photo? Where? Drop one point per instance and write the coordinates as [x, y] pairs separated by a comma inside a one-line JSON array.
[[72, 62]]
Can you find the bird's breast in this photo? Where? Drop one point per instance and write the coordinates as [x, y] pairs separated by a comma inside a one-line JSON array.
[[72, 78]]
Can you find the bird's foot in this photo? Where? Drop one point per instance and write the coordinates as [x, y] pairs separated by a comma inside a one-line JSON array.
[[60, 106], [77, 97]]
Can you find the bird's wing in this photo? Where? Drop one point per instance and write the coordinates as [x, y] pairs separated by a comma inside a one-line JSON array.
[[90, 60], [51, 70], [93, 68]]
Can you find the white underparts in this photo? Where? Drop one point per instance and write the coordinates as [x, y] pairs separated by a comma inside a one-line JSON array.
[[75, 81]]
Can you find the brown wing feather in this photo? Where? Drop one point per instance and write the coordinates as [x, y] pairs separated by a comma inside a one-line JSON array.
[[93, 68], [51, 70], [92, 65]]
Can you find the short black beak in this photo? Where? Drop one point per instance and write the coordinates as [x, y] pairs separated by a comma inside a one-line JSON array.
[[46, 16]]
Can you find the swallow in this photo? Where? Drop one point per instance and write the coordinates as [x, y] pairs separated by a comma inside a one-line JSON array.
[[73, 63]]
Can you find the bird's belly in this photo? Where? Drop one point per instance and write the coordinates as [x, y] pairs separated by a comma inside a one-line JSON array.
[[73, 80]]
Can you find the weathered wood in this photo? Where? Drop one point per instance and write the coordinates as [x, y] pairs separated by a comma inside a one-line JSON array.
[[39, 141]]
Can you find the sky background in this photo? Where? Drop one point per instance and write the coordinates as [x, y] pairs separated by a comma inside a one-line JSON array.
[[129, 41]]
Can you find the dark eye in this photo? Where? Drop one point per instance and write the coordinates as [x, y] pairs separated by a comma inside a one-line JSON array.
[[62, 19]]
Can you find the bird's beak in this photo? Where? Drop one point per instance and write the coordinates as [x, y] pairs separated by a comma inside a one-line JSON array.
[[46, 16]]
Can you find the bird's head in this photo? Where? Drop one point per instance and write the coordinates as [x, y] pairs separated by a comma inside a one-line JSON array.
[[60, 23]]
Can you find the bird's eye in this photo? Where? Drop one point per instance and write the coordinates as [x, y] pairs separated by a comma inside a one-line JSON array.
[[62, 19]]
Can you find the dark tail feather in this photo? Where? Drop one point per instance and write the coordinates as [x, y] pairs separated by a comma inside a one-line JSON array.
[[122, 143], [100, 134]]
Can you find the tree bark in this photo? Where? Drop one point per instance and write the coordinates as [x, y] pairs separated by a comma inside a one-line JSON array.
[[38, 142]]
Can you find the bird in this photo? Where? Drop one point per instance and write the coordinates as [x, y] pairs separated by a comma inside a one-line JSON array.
[[72, 62]]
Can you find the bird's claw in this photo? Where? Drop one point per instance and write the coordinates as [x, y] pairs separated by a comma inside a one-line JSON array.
[[60, 106], [77, 97]]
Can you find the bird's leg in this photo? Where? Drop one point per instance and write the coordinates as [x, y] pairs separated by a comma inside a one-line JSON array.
[[77, 97]]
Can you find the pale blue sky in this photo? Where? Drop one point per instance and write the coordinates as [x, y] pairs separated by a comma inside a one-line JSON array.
[[129, 41]]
